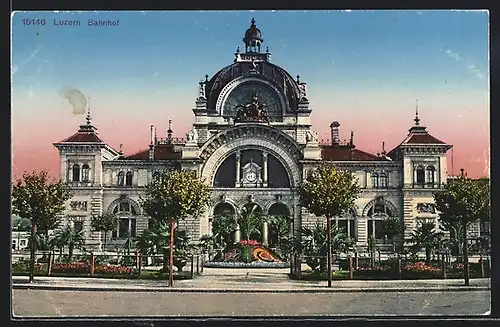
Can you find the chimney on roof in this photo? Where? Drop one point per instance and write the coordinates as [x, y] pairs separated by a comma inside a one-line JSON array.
[[334, 127], [153, 137], [120, 153], [152, 143], [169, 131]]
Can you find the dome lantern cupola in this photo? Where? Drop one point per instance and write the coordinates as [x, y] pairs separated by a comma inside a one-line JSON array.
[[253, 38]]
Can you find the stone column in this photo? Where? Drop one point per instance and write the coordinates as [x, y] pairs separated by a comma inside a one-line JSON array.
[[238, 168], [237, 234], [264, 177], [264, 233], [414, 175]]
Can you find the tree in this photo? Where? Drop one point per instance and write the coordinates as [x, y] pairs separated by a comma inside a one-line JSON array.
[[281, 225], [106, 223], [70, 238], [460, 203], [250, 220], [154, 240], [331, 193], [171, 196], [41, 200], [21, 224], [392, 228], [314, 244], [222, 228], [425, 236]]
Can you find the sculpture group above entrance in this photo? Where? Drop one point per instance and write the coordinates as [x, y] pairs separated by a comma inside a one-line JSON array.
[[253, 111]]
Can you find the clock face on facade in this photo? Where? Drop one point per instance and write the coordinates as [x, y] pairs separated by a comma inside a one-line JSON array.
[[251, 176], [243, 94]]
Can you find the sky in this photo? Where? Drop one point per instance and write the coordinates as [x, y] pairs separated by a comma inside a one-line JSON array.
[[365, 69]]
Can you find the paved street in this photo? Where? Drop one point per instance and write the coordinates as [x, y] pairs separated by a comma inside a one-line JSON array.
[[88, 303]]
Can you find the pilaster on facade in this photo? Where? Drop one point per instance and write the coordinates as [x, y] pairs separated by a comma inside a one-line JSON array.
[[362, 230], [408, 221]]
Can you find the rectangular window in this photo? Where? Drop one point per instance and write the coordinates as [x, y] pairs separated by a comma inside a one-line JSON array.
[[133, 227], [379, 229], [343, 226], [123, 228], [484, 228], [114, 234], [78, 226], [352, 229]]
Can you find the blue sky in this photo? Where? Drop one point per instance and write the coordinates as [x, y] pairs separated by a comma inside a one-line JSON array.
[[363, 68], [349, 49]]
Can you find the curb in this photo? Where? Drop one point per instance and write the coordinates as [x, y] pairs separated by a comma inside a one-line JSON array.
[[221, 290]]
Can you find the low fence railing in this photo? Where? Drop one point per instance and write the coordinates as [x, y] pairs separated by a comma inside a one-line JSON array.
[[396, 265], [102, 264]]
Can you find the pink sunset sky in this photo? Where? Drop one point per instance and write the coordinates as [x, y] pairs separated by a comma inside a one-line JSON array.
[[135, 79]]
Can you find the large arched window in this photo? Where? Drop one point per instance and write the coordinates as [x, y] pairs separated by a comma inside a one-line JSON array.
[[282, 214], [223, 209], [429, 174], [383, 180], [376, 216], [374, 180], [419, 175], [128, 178], [85, 173], [127, 224], [121, 178]]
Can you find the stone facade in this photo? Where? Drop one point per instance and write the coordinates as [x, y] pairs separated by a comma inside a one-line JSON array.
[[275, 135]]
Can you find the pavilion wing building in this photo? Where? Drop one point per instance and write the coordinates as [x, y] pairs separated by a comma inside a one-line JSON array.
[[253, 142]]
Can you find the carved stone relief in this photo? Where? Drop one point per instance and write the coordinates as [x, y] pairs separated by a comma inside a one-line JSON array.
[[78, 205]]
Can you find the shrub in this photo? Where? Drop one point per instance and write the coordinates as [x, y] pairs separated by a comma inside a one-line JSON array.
[[24, 266], [246, 254]]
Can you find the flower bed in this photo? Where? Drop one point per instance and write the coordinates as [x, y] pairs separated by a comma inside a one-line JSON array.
[[254, 264], [74, 268], [247, 252], [113, 270], [419, 270]]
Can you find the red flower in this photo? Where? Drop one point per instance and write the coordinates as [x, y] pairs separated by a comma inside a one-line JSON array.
[[249, 242]]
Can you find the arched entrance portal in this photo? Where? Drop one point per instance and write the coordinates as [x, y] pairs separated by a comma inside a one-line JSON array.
[[280, 223], [223, 218], [236, 170]]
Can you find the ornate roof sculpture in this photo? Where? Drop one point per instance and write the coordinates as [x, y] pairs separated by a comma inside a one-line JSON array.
[[253, 111]]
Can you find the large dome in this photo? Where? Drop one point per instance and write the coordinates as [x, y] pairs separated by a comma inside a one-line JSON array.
[[266, 71]]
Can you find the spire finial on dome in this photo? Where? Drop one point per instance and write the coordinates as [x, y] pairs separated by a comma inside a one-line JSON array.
[[416, 120], [253, 38]]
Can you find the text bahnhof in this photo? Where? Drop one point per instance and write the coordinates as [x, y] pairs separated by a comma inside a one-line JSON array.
[[90, 22]]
